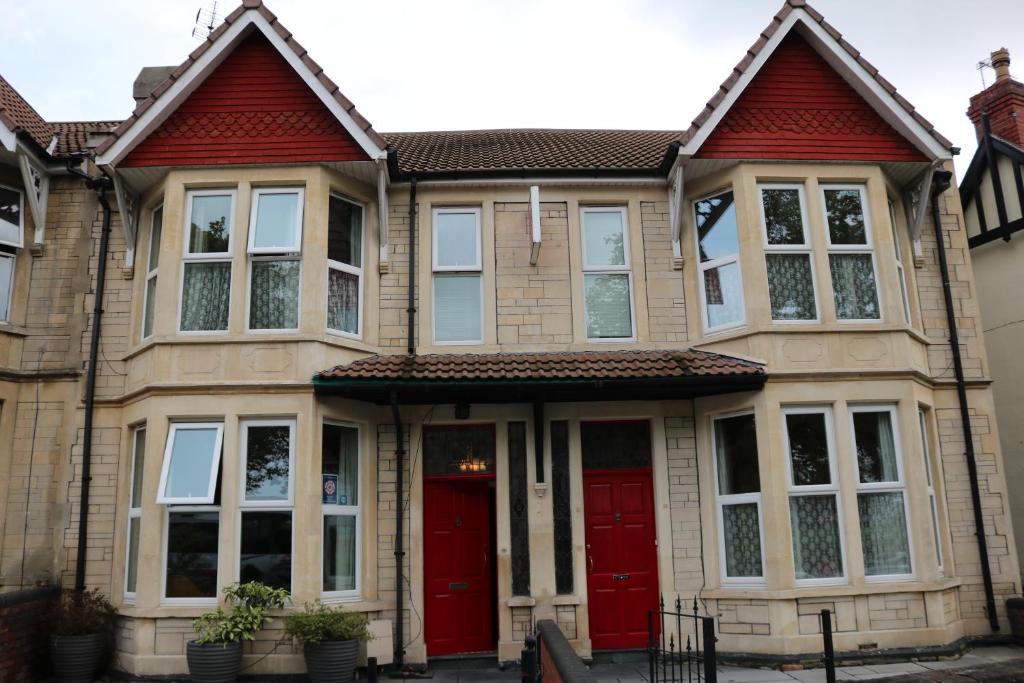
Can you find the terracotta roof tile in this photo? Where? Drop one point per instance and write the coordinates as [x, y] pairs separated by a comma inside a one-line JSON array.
[[72, 135], [17, 114], [579, 365]]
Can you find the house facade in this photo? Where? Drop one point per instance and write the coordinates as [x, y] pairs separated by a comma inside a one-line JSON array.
[[462, 381]]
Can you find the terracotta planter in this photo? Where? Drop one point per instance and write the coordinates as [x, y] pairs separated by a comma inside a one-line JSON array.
[[331, 661], [1015, 613], [214, 662], [76, 658]]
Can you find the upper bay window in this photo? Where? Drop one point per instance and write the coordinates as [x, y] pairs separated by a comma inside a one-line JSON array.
[[152, 267], [607, 281], [788, 257], [344, 266], [851, 257], [898, 253], [275, 246], [457, 276], [206, 268], [12, 205], [718, 248], [741, 550]]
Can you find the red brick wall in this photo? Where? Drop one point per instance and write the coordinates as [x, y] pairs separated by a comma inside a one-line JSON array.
[[24, 635], [549, 672], [1003, 101]]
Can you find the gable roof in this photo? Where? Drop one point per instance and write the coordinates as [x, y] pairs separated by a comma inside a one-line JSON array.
[[16, 115], [252, 15]]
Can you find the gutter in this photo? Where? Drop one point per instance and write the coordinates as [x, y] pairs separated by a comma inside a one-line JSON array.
[[940, 183]]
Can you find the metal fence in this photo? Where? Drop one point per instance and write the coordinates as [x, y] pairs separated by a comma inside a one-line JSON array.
[[672, 661], [829, 656]]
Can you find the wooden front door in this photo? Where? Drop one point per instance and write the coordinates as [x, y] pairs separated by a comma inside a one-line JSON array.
[[621, 552], [458, 523]]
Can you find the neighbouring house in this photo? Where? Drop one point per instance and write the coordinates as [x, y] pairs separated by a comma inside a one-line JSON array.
[[461, 381], [992, 196]]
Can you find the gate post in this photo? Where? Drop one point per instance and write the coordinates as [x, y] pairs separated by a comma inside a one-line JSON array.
[[710, 654], [830, 655], [528, 660]]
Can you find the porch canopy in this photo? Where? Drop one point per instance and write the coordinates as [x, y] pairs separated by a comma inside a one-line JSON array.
[[540, 377]]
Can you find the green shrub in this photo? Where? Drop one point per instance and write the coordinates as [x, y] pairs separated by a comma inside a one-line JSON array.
[[319, 622], [249, 604], [85, 613]]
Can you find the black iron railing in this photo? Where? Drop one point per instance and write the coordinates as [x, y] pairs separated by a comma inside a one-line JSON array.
[[681, 645], [829, 656]]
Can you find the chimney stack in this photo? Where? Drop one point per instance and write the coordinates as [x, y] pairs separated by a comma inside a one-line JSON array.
[[1002, 102]]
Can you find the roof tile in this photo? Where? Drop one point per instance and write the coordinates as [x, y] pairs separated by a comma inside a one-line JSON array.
[[17, 113]]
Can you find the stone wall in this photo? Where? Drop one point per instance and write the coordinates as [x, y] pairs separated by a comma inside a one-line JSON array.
[[684, 498], [394, 283], [666, 307]]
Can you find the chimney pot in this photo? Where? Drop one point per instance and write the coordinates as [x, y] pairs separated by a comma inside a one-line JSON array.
[[1001, 63]]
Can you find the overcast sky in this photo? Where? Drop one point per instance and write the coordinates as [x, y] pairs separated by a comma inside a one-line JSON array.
[[449, 64]]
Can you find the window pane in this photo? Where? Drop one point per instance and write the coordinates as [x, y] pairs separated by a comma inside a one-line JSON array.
[[853, 284], [192, 554], [603, 238], [742, 536], [457, 315], [817, 552], [274, 301], [266, 459], [339, 553], [345, 232], [722, 295], [192, 457], [210, 229], [458, 449], [808, 449], [607, 305], [876, 451], [608, 445], [456, 240], [791, 286], [341, 460], [845, 217], [154, 238], [736, 453], [147, 315], [276, 221], [10, 216], [716, 227], [783, 216], [883, 531], [6, 283], [138, 458], [935, 531], [266, 549], [205, 294], [342, 301], [132, 570]]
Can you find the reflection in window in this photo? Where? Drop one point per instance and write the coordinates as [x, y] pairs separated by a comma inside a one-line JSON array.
[[718, 249], [787, 254], [738, 497], [607, 294], [7, 260], [131, 570], [190, 463], [275, 242], [458, 281], [265, 548], [192, 547], [265, 544], [206, 278], [152, 265], [851, 260], [12, 217]]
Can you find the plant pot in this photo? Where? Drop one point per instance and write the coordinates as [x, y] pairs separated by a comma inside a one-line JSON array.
[[1015, 613], [76, 658], [331, 661], [214, 662]]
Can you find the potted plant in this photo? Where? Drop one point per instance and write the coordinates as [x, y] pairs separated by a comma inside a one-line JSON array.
[[215, 656], [330, 639], [82, 626]]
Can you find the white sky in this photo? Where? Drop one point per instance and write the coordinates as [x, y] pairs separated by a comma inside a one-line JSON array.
[[450, 64]]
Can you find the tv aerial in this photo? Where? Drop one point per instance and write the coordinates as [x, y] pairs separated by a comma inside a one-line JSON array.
[[206, 21]]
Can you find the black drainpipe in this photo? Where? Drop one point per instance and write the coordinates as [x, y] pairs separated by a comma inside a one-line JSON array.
[[411, 309], [940, 183], [100, 185]]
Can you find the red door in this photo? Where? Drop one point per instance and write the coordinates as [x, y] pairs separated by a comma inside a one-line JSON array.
[[458, 566], [622, 573]]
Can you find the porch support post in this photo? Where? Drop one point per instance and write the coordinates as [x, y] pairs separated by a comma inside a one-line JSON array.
[[538, 439]]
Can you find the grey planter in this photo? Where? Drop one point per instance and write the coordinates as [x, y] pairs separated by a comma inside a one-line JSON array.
[[331, 661], [76, 658], [214, 662]]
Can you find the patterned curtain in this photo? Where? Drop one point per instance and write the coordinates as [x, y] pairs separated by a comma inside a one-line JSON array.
[[274, 300], [742, 534], [205, 295], [817, 552], [853, 283], [876, 451], [883, 533], [791, 287], [342, 301]]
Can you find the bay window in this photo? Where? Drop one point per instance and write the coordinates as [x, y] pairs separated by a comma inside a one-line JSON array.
[[206, 267], [191, 462], [457, 276], [791, 288], [344, 266], [131, 571], [813, 495], [12, 236], [267, 498], [152, 265], [718, 249], [607, 281], [7, 261], [850, 253], [933, 507], [341, 510], [275, 247], [738, 488], [898, 253]]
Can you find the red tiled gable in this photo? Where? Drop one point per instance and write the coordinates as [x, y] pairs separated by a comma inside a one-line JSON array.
[[798, 107], [252, 109], [16, 113], [581, 365]]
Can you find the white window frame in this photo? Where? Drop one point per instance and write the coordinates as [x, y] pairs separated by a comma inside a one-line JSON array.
[[20, 242], [133, 512], [296, 247], [900, 270], [212, 257], [807, 490], [344, 511], [10, 285], [867, 248], [718, 263], [475, 270], [268, 254], [350, 269], [803, 249], [214, 464], [168, 511], [624, 269], [248, 295], [151, 273], [930, 468], [721, 501], [898, 486]]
